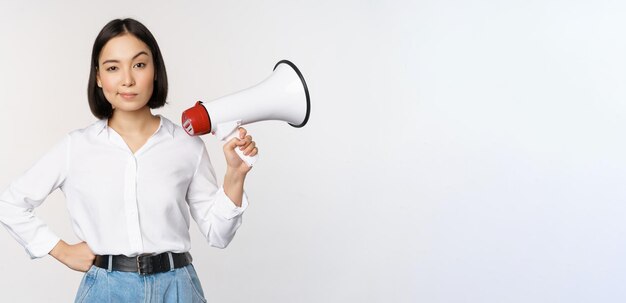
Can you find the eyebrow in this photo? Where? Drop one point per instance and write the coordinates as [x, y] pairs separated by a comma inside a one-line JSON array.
[[117, 61]]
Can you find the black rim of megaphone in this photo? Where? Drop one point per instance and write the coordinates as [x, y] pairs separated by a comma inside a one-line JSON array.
[[306, 91]]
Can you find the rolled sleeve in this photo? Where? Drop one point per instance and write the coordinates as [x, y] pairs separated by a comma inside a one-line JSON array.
[[18, 201], [43, 245], [226, 208]]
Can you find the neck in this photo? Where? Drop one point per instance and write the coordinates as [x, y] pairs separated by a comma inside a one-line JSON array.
[[134, 122]]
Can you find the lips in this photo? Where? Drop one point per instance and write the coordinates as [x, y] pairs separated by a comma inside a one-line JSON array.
[[128, 95]]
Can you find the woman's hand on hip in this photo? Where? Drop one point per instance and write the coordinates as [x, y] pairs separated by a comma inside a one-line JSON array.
[[78, 256]]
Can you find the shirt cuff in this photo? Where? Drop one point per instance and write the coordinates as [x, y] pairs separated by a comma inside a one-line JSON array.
[[43, 245], [226, 208]]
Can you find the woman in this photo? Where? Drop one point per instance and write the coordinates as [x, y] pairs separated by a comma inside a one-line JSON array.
[[130, 180]]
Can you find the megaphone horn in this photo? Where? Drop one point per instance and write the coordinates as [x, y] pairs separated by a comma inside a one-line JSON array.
[[283, 96]]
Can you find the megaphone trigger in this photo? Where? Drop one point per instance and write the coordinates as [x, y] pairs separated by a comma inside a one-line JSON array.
[[226, 129]]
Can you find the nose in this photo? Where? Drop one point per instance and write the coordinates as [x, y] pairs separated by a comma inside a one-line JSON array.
[[128, 80]]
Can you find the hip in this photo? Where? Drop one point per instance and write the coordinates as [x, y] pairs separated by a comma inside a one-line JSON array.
[[177, 285]]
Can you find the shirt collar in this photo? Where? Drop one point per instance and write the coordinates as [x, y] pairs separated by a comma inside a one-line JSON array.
[[167, 125], [100, 126]]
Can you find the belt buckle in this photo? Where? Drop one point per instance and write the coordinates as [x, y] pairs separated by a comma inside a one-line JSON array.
[[144, 266]]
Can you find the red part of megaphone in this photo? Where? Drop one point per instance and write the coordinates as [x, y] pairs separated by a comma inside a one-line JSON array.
[[196, 120]]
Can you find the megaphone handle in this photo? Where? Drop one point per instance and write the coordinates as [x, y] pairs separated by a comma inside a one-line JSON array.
[[247, 159]]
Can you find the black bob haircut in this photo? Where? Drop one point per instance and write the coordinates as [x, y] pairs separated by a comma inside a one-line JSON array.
[[100, 107]]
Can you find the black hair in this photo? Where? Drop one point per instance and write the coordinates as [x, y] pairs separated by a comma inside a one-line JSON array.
[[100, 107]]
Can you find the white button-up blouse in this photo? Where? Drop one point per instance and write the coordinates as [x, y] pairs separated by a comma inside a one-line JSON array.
[[120, 202]]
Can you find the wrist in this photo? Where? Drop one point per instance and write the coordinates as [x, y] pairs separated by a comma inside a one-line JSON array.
[[234, 177], [233, 186], [58, 251]]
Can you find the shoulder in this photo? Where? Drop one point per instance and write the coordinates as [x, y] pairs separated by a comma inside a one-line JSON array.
[[180, 136], [91, 130]]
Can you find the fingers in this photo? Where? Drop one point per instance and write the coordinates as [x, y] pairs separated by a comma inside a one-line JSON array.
[[248, 151], [237, 141], [233, 143], [244, 143], [254, 152], [247, 146]]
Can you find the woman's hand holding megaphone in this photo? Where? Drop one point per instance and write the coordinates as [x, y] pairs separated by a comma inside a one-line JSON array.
[[240, 144], [237, 168]]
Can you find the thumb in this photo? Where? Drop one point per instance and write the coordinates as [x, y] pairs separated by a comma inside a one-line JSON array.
[[231, 144], [242, 132]]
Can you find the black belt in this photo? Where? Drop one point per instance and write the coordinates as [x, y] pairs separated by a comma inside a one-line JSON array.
[[143, 264]]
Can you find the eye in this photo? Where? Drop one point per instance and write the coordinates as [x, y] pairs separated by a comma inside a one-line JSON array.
[[140, 65], [111, 68]]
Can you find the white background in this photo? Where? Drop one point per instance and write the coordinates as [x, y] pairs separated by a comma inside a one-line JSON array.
[[457, 151]]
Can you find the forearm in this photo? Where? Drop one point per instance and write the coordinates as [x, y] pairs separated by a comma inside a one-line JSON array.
[[57, 250], [24, 226], [233, 186]]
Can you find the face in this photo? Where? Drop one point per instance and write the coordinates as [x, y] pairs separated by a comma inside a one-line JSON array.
[[126, 73]]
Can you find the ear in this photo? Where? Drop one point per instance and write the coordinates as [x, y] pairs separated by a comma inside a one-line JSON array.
[[98, 81]]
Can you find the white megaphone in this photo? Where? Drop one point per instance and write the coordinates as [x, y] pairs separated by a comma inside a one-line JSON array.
[[282, 96]]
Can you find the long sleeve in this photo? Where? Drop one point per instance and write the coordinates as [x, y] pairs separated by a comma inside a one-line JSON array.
[[216, 215], [24, 194]]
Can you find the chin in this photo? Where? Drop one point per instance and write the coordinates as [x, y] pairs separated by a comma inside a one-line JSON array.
[[129, 107]]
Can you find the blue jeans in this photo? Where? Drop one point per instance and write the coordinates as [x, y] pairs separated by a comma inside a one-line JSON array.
[[179, 285]]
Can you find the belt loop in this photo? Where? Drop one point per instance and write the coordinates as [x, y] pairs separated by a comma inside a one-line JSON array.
[[110, 267], [169, 254]]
